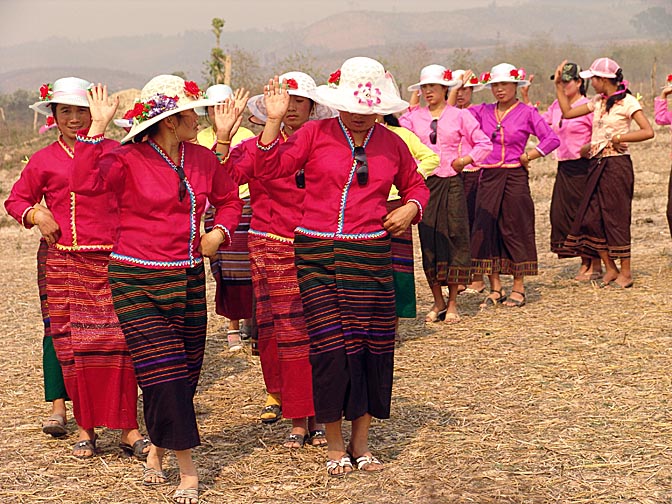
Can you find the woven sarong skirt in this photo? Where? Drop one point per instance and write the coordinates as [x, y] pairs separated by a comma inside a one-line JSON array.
[[231, 270], [348, 301], [603, 219], [402, 269], [88, 340], [470, 181], [163, 315], [502, 240], [444, 233]]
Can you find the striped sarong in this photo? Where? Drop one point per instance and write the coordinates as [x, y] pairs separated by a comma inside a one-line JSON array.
[[402, 269], [348, 300], [90, 346], [163, 315], [264, 314], [231, 269], [54, 386]]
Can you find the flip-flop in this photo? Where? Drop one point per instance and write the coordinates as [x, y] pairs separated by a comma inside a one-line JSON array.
[[55, 425]]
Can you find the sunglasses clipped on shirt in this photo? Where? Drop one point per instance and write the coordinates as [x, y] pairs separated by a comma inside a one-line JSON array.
[[182, 187], [362, 169], [432, 134]]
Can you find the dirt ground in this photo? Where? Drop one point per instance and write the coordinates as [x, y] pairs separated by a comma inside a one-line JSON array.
[[562, 401]]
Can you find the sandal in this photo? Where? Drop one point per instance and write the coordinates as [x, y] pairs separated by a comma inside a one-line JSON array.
[[295, 438], [366, 460], [434, 315], [85, 445], [489, 301], [452, 318], [344, 462], [188, 494], [55, 425], [515, 303], [271, 409], [149, 473], [233, 340], [317, 435], [137, 449]]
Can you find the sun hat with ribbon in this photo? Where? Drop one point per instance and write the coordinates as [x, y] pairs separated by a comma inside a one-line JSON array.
[[67, 90], [360, 86], [298, 84], [601, 67], [473, 83], [161, 97], [504, 72], [435, 74], [214, 95]]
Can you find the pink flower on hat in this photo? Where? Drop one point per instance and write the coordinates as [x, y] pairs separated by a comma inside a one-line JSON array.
[[518, 73], [365, 94], [46, 92]]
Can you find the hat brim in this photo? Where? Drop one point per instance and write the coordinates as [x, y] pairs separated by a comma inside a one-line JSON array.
[[257, 106], [520, 83], [140, 127], [587, 74], [418, 85], [44, 107], [343, 99]]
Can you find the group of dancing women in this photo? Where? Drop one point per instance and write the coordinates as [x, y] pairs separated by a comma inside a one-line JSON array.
[[308, 234]]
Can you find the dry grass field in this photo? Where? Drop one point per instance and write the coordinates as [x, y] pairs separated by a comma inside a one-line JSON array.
[[565, 400]]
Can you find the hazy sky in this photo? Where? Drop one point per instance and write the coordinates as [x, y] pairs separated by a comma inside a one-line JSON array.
[[34, 20]]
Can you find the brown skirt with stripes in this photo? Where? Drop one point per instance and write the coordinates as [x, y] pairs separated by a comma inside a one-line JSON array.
[[503, 239], [348, 301], [163, 315], [403, 269], [603, 219], [444, 233], [89, 342]]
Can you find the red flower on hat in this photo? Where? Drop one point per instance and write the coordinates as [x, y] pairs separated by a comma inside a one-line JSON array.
[[514, 74], [137, 110], [130, 114], [46, 92], [192, 89], [50, 121], [485, 77], [669, 78], [335, 78], [473, 80], [448, 74], [292, 84]]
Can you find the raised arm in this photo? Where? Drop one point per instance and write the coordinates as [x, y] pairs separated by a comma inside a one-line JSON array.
[[228, 116], [662, 113], [276, 99], [102, 109], [567, 111]]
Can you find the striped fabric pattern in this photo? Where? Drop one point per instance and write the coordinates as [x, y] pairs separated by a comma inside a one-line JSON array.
[[88, 340], [403, 272], [348, 299], [231, 269]]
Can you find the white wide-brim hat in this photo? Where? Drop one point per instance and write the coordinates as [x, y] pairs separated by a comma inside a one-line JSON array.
[[161, 97], [434, 74], [361, 86], [67, 90], [215, 95], [300, 84], [473, 83], [504, 72]]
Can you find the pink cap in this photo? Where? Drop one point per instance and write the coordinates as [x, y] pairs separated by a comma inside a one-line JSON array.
[[601, 67]]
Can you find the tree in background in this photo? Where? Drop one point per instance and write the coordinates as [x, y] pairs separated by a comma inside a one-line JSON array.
[[655, 22], [216, 67]]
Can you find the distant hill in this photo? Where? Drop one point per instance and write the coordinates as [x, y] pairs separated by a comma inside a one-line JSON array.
[[125, 62]]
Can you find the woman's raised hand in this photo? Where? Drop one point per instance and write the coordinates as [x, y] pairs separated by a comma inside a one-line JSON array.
[[102, 108], [558, 73], [227, 119], [240, 97], [276, 99]]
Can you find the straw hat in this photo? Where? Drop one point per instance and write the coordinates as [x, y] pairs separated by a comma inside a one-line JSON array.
[[163, 96], [360, 86], [300, 84], [504, 72], [435, 74], [67, 90], [215, 95], [601, 67], [473, 83]]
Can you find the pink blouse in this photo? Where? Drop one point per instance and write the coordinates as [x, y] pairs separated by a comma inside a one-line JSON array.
[[573, 133], [277, 204], [336, 205], [509, 137], [87, 223], [156, 229], [663, 115], [458, 134]]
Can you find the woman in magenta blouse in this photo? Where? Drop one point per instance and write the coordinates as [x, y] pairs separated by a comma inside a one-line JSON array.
[[503, 239], [663, 116]]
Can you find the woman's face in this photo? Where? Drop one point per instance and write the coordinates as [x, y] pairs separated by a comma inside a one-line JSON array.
[[185, 125], [358, 123], [298, 112], [434, 94], [571, 88], [598, 83], [71, 118], [504, 91], [464, 97]]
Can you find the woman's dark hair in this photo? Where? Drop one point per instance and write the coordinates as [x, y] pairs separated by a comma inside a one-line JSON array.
[[151, 130], [53, 109], [582, 86], [391, 120], [621, 90]]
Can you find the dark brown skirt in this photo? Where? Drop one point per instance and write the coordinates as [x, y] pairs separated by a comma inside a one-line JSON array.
[[470, 180], [503, 233], [570, 183], [603, 219], [444, 233]]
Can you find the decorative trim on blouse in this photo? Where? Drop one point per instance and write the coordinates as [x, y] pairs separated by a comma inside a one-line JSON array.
[[419, 205], [73, 227], [96, 139], [66, 148], [82, 248], [543, 154], [270, 236], [189, 263], [226, 233], [341, 236], [268, 147]]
